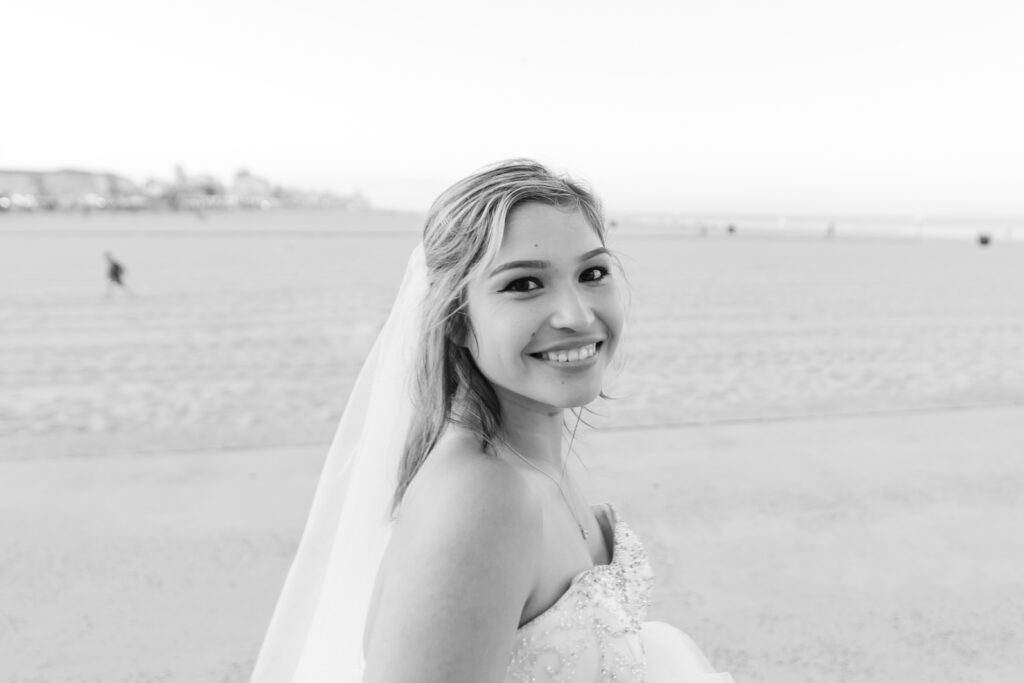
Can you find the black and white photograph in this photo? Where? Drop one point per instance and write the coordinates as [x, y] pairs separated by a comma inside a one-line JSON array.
[[533, 342]]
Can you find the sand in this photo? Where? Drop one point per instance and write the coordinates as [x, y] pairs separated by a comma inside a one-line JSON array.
[[885, 548], [858, 549], [158, 451]]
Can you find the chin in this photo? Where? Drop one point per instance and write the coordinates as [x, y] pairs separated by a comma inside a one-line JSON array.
[[549, 395], [576, 399]]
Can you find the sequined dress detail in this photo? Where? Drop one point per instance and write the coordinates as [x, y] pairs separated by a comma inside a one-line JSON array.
[[592, 632], [596, 633]]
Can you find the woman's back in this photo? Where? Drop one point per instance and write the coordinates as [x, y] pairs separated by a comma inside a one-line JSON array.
[[459, 567], [438, 546], [592, 630]]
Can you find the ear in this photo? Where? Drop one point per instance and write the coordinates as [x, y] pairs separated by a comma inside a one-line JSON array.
[[467, 340], [460, 334]]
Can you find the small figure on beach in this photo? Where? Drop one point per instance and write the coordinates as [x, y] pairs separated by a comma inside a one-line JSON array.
[[115, 275], [984, 239], [479, 557]]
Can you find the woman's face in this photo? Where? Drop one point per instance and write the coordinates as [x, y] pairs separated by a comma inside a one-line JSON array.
[[546, 315]]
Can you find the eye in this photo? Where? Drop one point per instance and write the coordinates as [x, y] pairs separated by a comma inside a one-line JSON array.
[[523, 284], [594, 274]]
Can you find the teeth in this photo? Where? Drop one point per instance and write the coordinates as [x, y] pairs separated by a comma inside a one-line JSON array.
[[567, 356]]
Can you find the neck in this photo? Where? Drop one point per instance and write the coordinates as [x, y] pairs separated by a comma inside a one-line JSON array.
[[535, 434]]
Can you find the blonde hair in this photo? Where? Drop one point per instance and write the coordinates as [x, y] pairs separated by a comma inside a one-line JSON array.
[[462, 235]]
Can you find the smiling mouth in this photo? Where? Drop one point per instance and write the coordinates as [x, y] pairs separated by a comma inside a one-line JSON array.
[[570, 357]]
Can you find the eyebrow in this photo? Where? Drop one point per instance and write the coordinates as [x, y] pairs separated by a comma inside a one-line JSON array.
[[540, 265]]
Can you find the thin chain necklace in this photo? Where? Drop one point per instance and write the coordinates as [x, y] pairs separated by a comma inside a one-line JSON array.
[[558, 483]]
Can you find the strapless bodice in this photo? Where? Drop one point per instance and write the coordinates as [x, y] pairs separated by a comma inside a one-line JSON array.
[[592, 632], [596, 631]]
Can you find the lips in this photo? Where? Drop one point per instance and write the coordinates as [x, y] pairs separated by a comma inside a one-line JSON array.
[[576, 354]]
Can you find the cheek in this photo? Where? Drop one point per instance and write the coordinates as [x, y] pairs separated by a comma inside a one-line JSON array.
[[499, 345], [613, 313]]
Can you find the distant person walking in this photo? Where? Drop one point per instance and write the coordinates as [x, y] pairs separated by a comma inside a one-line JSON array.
[[115, 275]]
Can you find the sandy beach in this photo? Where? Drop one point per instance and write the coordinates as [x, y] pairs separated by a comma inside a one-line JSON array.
[[851, 549], [819, 441]]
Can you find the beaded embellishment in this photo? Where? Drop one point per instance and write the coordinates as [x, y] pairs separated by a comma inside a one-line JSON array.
[[592, 632]]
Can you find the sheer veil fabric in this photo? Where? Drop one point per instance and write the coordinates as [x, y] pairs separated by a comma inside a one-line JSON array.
[[316, 632]]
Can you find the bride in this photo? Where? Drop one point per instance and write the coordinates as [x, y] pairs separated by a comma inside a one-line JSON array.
[[448, 540]]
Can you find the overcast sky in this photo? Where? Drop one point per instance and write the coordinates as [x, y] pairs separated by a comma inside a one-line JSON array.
[[791, 106]]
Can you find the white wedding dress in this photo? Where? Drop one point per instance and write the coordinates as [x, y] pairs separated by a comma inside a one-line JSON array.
[[596, 630]]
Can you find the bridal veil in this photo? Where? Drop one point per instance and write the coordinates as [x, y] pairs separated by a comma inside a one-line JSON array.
[[316, 632]]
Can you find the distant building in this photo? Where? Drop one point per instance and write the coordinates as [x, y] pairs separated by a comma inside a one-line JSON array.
[[160, 194], [252, 191], [75, 189], [20, 190], [125, 194], [198, 192], [68, 189]]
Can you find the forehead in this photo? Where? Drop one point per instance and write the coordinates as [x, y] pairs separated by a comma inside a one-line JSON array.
[[534, 227]]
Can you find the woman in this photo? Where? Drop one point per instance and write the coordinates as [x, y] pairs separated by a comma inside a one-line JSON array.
[[447, 540]]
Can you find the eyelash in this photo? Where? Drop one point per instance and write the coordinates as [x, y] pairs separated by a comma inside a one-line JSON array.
[[605, 273]]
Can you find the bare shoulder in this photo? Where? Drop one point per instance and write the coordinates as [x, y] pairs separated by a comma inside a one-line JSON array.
[[461, 490], [460, 566]]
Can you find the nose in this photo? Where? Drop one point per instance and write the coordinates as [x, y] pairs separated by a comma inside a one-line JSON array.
[[572, 310]]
